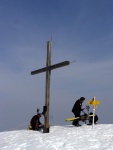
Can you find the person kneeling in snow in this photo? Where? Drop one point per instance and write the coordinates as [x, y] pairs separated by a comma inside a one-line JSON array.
[[91, 119], [35, 123]]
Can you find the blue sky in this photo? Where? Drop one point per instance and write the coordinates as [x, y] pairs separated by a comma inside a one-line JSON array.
[[80, 30]]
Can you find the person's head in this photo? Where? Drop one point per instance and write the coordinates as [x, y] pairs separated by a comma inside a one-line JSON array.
[[82, 99], [39, 114]]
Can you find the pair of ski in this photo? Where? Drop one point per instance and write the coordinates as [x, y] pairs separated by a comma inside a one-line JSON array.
[[78, 118]]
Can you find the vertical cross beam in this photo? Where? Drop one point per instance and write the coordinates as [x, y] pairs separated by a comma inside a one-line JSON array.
[[47, 92]]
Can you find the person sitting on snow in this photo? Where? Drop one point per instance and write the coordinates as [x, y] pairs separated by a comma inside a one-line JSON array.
[[35, 123]]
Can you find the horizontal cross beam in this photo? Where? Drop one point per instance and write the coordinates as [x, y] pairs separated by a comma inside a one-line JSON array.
[[55, 66]]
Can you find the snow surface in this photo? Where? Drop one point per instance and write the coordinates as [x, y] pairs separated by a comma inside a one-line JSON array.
[[60, 138]]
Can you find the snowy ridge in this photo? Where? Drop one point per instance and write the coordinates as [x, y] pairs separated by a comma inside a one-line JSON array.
[[60, 138]]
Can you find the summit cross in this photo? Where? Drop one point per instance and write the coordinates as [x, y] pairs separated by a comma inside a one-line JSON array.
[[48, 69]]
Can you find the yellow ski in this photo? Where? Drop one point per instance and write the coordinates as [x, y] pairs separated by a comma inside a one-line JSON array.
[[81, 117], [71, 119]]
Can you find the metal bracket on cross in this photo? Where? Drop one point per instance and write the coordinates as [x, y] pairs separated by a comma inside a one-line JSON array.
[[94, 103]]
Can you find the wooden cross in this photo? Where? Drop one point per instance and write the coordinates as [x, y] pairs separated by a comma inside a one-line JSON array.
[[48, 69]]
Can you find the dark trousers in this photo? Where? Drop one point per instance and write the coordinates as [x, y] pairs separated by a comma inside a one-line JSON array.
[[77, 114]]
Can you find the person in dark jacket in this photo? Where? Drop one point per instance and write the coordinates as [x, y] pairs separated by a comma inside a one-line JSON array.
[[77, 108], [91, 119], [35, 122]]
